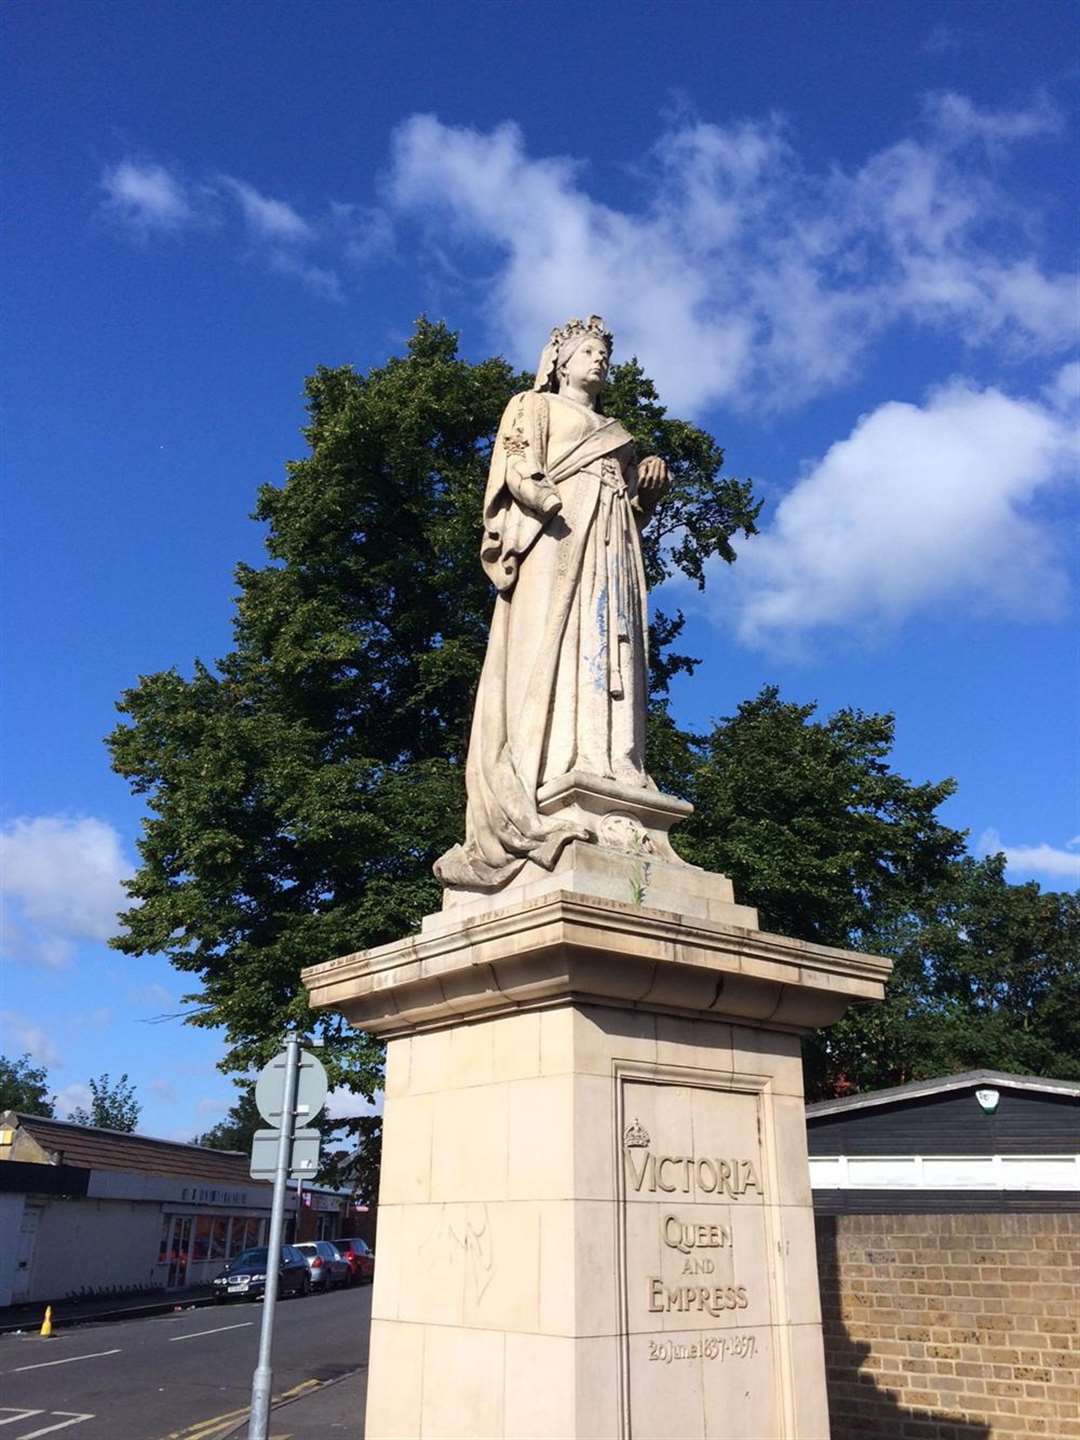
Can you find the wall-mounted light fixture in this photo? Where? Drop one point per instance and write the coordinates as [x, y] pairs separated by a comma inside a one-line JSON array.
[[988, 1099]]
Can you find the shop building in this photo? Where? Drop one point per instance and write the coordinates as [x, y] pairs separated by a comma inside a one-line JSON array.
[[85, 1211]]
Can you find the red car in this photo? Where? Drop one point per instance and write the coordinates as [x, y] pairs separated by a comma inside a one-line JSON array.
[[361, 1259]]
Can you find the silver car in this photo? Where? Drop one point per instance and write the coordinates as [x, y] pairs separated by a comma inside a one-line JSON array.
[[326, 1265]]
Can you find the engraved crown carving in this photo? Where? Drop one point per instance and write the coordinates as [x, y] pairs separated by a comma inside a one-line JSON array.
[[635, 1135]]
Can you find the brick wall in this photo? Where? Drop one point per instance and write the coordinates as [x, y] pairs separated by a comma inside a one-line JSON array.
[[952, 1327]]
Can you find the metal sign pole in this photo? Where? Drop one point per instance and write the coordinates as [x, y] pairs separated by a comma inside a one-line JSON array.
[[262, 1380]]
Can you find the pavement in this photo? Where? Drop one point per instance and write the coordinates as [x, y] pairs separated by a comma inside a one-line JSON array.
[[334, 1408], [25, 1319]]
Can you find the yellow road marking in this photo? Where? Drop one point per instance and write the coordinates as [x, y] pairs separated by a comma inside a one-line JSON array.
[[207, 1429], [298, 1390], [203, 1428]]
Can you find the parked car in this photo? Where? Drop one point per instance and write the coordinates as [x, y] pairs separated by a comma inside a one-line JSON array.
[[245, 1277], [361, 1259], [326, 1268]]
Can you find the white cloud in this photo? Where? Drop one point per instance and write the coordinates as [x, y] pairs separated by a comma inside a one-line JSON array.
[[745, 275], [319, 279], [164, 1090], [73, 1097], [1043, 859], [61, 882], [154, 996], [344, 1104], [1063, 391], [959, 120], [146, 196], [921, 505], [22, 1036], [268, 218]]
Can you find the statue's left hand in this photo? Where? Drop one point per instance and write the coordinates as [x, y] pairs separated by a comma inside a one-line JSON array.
[[653, 479]]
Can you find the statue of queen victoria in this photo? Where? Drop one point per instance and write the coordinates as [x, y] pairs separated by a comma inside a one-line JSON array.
[[562, 696]]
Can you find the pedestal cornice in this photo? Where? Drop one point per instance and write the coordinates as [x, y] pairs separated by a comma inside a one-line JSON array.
[[568, 946]]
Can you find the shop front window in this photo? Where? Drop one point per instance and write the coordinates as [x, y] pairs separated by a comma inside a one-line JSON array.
[[200, 1249], [219, 1234]]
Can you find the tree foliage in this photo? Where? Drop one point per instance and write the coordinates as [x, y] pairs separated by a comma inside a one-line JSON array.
[[809, 820], [833, 846], [112, 1105], [24, 1087], [986, 974], [299, 791]]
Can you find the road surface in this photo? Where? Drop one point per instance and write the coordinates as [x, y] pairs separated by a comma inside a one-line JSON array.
[[184, 1376]]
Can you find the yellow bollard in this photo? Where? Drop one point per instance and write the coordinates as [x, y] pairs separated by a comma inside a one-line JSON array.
[[46, 1324]]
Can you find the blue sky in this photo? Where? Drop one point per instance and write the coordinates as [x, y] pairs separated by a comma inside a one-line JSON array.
[[842, 237]]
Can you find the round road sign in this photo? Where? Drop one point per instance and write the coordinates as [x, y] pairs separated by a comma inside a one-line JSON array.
[[311, 1088]]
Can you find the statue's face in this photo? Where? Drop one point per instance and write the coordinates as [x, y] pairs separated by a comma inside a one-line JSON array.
[[588, 366]]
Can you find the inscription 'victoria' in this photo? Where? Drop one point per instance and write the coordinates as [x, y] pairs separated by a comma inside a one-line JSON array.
[[685, 1173]]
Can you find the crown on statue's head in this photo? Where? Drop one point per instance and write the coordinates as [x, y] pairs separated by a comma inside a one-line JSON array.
[[577, 329], [636, 1135]]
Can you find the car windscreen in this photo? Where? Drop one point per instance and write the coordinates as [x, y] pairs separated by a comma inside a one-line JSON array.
[[307, 1249], [251, 1257]]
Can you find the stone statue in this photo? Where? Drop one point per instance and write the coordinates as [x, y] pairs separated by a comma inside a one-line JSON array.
[[562, 697]]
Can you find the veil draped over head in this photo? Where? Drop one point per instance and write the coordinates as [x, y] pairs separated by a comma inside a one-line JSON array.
[[564, 340]]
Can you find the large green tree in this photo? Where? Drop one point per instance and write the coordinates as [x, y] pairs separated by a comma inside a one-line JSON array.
[[24, 1086], [832, 845], [299, 790]]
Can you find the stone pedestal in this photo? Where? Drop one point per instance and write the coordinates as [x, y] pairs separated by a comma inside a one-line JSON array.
[[595, 1214]]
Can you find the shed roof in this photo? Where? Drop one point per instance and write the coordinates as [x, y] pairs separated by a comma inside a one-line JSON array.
[[920, 1089], [98, 1149]]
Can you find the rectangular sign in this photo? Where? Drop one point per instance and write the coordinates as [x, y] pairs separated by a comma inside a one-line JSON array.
[[304, 1164], [698, 1261]]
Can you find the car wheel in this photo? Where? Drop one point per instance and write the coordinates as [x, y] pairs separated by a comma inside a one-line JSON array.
[[305, 1285]]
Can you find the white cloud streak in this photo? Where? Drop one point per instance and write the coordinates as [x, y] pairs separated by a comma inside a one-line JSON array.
[[266, 217], [147, 197], [1043, 859], [958, 120], [746, 276], [920, 506], [61, 882]]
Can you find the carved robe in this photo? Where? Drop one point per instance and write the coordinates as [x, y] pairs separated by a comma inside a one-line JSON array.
[[564, 680]]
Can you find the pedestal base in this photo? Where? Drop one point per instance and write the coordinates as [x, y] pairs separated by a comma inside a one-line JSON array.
[[595, 1214]]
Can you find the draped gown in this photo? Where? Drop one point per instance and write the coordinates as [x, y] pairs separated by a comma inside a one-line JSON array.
[[564, 681]]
